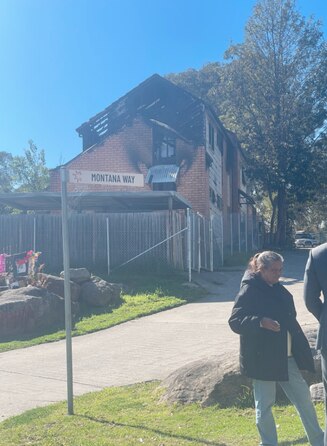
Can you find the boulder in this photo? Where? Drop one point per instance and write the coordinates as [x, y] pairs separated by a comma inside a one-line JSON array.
[[99, 293], [208, 381], [217, 380], [29, 309], [78, 275], [55, 284], [317, 392]]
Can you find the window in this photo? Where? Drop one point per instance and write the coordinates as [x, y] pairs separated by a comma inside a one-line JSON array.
[[167, 147], [212, 195], [211, 137], [219, 201], [164, 148]]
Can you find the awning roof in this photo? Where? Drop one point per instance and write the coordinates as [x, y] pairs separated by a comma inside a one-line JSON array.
[[97, 201], [166, 173]]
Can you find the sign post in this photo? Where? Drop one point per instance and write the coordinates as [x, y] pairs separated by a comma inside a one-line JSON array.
[[86, 177], [68, 307]]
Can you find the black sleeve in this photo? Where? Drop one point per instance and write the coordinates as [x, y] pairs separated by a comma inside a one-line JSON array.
[[243, 320]]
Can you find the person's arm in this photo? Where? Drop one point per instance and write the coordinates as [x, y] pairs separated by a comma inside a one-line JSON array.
[[242, 321], [312, 289]]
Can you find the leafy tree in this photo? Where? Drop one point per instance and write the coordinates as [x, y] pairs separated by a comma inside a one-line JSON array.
[[6, 177], [204, 83], [29, 171], [272, 91], [275, 91], [5, 172]]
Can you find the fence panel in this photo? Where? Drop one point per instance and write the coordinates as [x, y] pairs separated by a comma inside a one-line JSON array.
[[155, 238], [130, 234]]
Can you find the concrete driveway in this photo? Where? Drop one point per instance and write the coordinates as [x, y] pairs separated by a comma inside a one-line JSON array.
[[141, 350]]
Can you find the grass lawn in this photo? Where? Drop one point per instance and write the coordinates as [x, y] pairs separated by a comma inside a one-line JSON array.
[[133, 415], [147, 294]]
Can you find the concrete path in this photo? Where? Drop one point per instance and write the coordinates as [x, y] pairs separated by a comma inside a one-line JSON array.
[[141, 350]]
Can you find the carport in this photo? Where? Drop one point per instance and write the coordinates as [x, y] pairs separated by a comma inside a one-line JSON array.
[[97, 201]]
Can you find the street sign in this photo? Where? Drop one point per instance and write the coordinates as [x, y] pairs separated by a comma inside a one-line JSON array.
[[106, 178]]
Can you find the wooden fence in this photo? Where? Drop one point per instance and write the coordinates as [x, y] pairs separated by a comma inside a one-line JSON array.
[[90, 235]]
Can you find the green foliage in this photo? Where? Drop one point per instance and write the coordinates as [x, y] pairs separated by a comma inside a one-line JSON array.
[[6, 177], [29, 171], [272, 92], [131, 415], [275, 96], [204, 83], [5, 172]]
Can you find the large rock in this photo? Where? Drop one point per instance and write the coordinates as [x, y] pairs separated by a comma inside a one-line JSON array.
[[99, 293], [317, 392], [217, 380], [55, 284], [78, 275], [27, 310], [208, 381]]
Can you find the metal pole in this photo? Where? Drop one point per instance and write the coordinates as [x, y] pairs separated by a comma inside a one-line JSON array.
[[68, 309], [246, 229], [34, 234], [231, 234], [108, 247], [205, 243], [189, 255], [239, 232], [222, 239], [199, 242], [211, 242]]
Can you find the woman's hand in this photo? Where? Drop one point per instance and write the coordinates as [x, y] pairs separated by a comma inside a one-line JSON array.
[[269, 324]]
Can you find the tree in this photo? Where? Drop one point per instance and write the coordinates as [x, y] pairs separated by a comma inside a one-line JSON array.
[[272, 91], [29, 171], [5, 172], [275, 91], [204, 83], [6, 177]]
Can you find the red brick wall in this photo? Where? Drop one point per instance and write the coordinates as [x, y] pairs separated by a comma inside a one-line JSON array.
[[193, 182], [130, 150]]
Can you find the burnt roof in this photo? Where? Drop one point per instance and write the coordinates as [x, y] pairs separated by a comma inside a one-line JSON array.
[[156, 98]]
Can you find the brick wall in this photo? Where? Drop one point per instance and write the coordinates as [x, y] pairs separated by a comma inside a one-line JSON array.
[[193, 182], [130, 151]]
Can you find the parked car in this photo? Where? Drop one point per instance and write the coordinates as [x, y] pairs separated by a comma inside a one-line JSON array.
[[303, 234], [306, 243]]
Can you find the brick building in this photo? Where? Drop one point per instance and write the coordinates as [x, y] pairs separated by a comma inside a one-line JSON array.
[[169, 140]]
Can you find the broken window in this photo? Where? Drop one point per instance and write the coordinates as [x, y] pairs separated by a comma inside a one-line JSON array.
[[165, 147]]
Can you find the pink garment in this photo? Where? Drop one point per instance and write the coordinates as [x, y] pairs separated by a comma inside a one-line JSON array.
[[2, 263]]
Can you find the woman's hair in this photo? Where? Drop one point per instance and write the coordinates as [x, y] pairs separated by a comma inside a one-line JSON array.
[[263, 260]]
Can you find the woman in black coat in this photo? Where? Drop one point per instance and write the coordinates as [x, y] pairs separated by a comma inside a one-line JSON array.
[[273, 346]]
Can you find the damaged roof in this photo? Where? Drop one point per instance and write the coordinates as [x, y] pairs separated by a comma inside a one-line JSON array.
[[157, 99]]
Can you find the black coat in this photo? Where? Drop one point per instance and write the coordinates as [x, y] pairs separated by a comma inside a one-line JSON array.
[[263, 353]]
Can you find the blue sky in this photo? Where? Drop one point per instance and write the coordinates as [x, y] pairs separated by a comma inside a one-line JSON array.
[[63, 61]]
